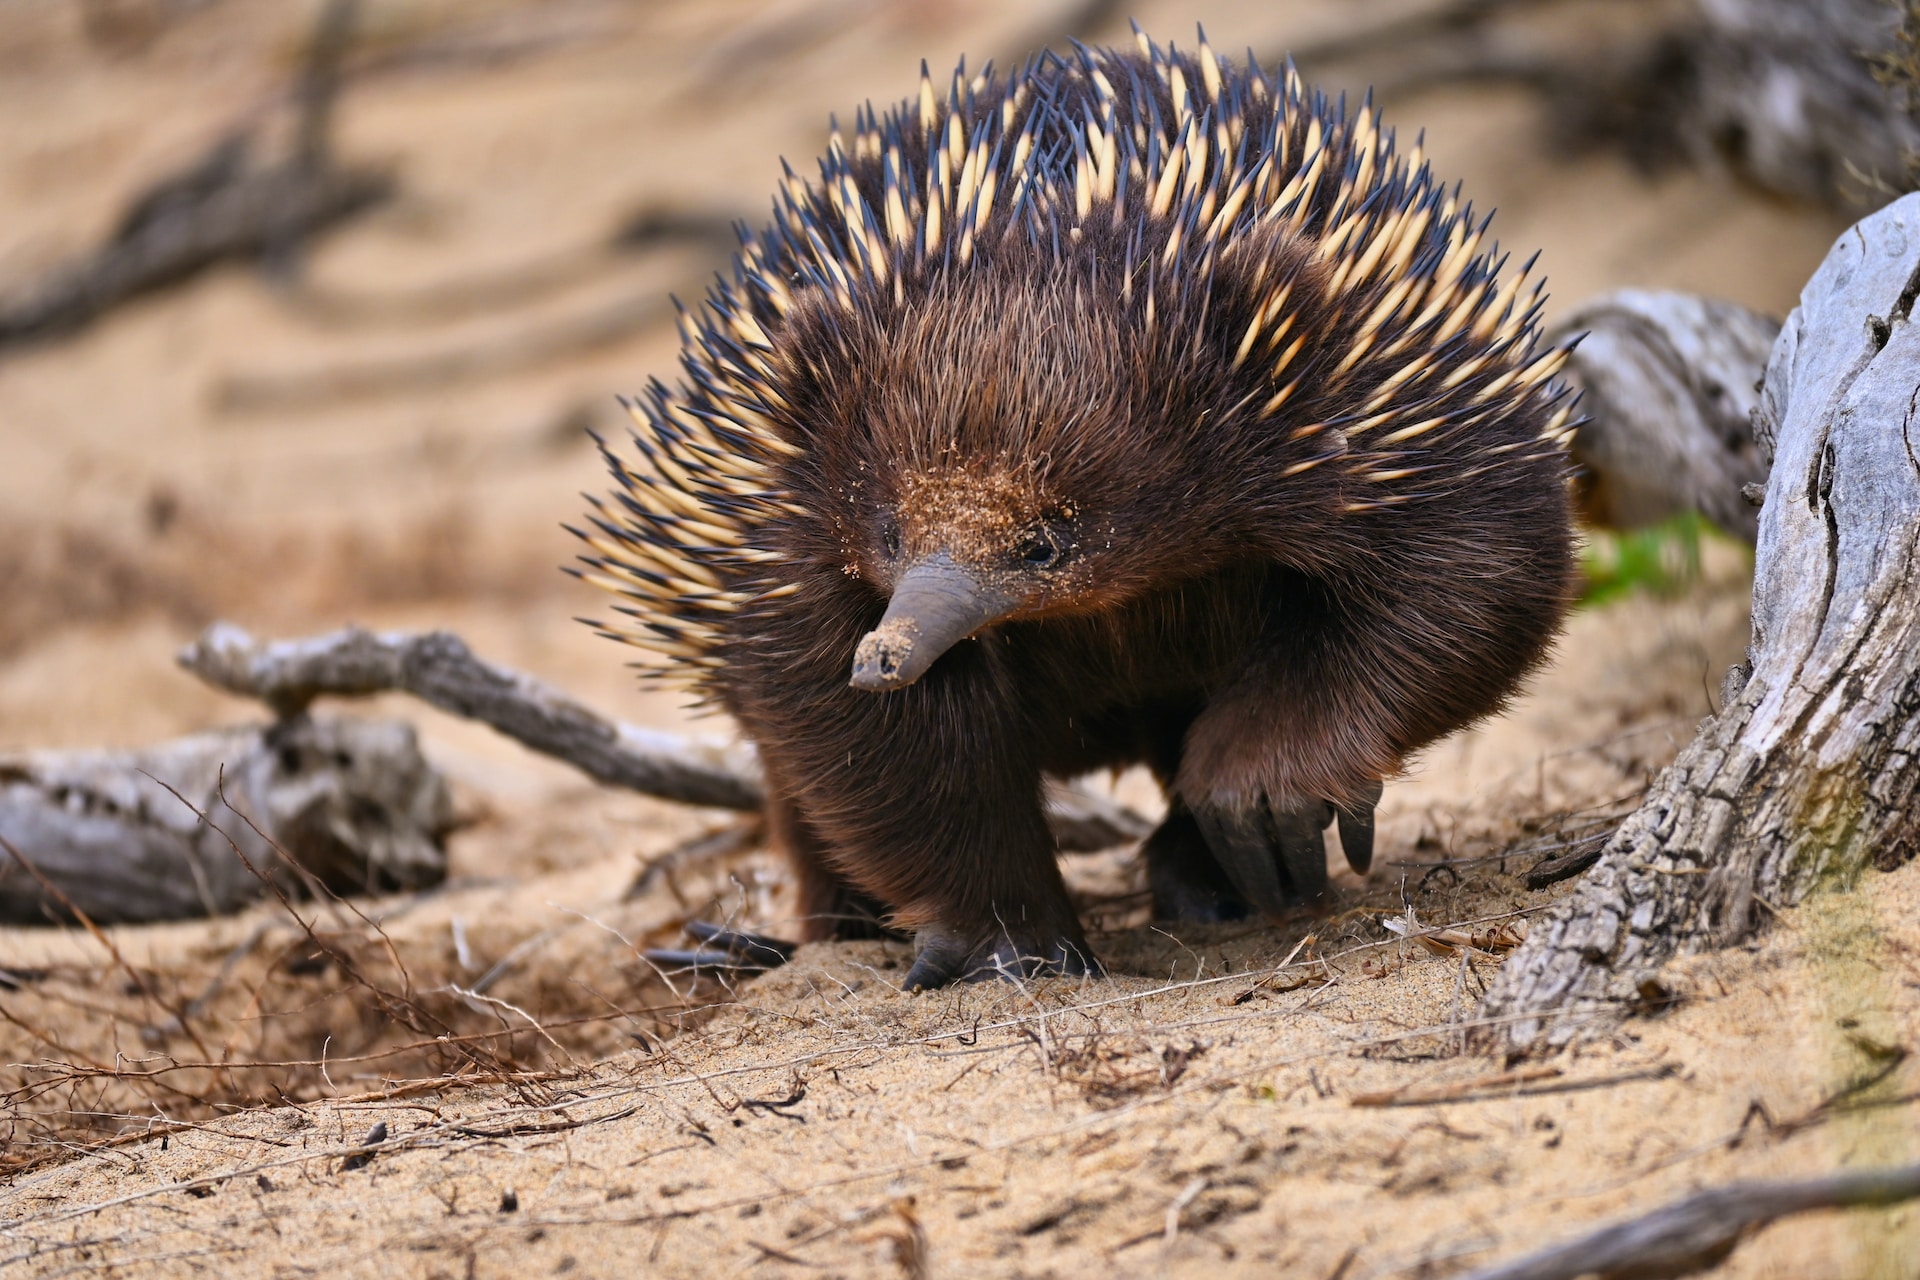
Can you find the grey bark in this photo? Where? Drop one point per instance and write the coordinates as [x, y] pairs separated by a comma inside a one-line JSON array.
[[1668, 384], [1811, 772], [352, 803]]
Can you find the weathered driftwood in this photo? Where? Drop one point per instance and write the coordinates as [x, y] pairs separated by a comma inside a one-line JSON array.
[[1668, 383], [231, 203], [1811, 772], [439, 669], [352, 803], [1691, 1235]]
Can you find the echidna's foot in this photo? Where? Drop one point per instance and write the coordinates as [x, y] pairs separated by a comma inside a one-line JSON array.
[[950, 957], [724, 950], [1275, 856], [1186, 879]]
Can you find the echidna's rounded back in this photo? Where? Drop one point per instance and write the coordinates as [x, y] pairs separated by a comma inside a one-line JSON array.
[[1253, 235]]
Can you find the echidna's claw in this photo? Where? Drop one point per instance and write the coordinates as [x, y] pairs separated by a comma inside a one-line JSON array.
[[1356, 831], [1275, 856], [1238, 839], [1299, 838], [758, 948], [724, 949]]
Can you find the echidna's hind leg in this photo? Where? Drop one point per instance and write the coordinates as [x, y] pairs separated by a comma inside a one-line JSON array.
[[1186, 879], [827, 906]]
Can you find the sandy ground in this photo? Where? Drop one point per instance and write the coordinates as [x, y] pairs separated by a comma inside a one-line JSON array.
[[215, 452], [1157, 1122]]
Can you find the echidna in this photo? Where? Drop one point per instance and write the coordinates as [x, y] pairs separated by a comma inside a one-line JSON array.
[[1133, 408]]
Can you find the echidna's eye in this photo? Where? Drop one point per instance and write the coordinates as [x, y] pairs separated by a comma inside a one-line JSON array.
[[890, 539], [1040, 548]]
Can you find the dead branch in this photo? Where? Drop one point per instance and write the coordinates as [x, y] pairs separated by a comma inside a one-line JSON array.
[[399, 375], [1696, 1233], [520, 284], [1669, 382], [1781, 92], [352, 802], [1811, 772], [1087, 823], [230, 203], [439, 669], [1526, 1082]]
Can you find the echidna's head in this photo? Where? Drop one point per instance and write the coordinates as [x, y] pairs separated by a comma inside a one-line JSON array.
[[1004, 451], [962, 546]]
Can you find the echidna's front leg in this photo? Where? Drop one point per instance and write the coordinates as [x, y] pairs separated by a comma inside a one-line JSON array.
[[982, 890], [1276, 856], [946, 957], [1266, 774], [1273, 853], [925, 798], [940, 830], [1276, 853]]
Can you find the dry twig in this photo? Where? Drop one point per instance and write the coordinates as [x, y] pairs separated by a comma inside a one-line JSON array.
[[1693, 1234]]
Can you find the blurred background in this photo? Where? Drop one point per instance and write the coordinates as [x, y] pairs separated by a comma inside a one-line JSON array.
[[306, 310], [371, 403]]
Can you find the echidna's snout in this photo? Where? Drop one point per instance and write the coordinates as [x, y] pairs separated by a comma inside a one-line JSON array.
[[936, 603]]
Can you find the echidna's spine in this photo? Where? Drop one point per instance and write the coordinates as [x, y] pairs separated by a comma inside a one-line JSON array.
[[1159, 174]]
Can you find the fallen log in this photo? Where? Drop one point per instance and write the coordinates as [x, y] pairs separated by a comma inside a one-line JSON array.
[[1810, 773], [1668, 384], [441, 670], [348, 806], [1782, 93]]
